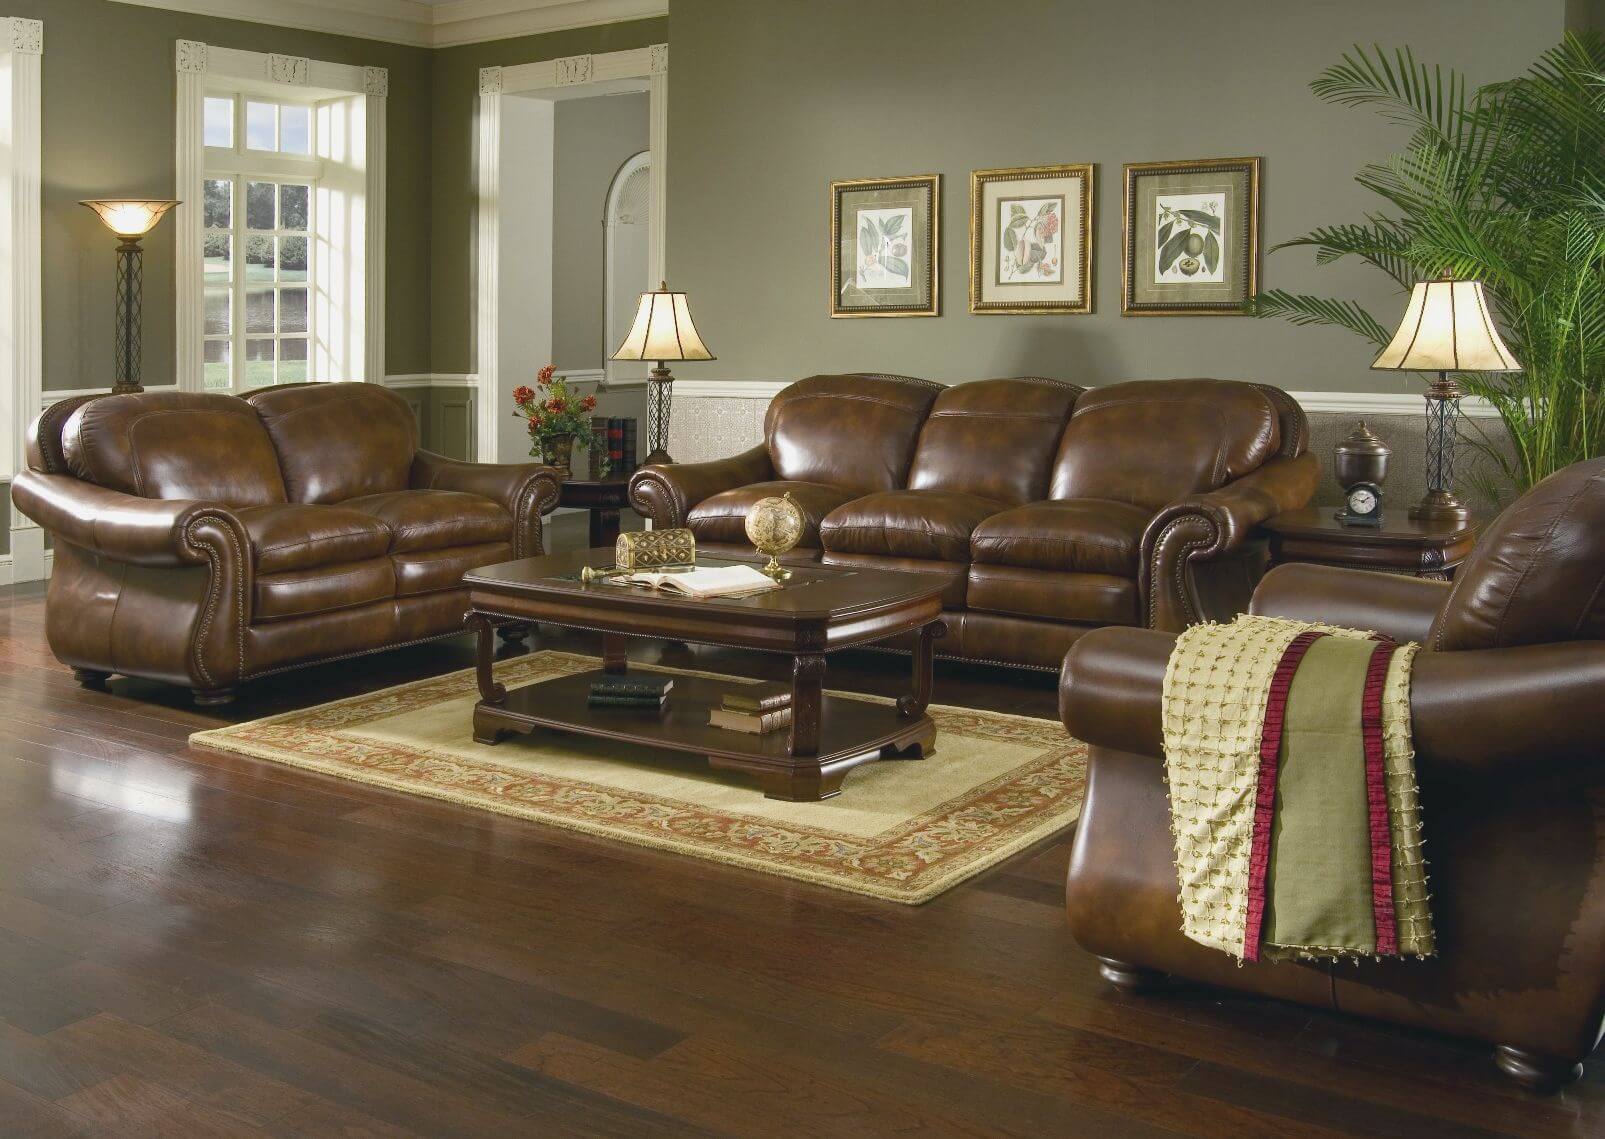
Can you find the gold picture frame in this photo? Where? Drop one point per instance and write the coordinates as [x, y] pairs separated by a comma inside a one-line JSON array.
[[1160, 277], [1050, 193], [901, 276]]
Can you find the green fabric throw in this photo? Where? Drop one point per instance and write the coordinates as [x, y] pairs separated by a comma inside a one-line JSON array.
[[1319, 886]]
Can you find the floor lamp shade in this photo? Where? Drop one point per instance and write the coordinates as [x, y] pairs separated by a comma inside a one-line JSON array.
[[1447, 327], [663, 330], [130, 219]]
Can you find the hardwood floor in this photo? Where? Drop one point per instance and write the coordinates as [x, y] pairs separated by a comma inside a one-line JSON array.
[[206, 945]]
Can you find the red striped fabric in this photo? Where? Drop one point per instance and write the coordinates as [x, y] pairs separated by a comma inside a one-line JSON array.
[[1376, 793], [1270, 746]]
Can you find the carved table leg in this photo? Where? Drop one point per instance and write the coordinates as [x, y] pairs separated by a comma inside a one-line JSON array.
[[924, 649], [807, 678], [491, 692], [615, 658]]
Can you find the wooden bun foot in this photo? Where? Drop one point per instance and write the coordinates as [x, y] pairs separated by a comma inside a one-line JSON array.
[[1536, 1073], [1131, 978]]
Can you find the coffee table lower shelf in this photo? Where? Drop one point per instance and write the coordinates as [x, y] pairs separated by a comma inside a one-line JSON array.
[[851, 732]]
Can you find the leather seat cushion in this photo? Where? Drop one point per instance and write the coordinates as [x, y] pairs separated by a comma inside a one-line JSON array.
[[296, 536], [951, 576], [1087, 598], [428, 571], [723, 518], [1079, 535], [928, 524], [298, 593], [435, 519]]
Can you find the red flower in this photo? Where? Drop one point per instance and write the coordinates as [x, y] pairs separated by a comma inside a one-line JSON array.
[[544, 377], [555, 406], [523, 394], [534, 424], [588, 403]]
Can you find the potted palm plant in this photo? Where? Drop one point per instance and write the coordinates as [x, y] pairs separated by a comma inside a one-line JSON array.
[[1506, 185]]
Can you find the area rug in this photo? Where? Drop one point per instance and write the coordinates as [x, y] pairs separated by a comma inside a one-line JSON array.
[[900, 831]]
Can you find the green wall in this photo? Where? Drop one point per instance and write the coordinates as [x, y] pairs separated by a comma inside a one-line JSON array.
[[109, 114], [452, 147], [771, 101]]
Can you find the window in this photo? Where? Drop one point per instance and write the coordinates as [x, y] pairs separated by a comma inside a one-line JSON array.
[[257, 220]]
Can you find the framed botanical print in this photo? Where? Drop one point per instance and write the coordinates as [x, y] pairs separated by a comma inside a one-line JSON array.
[[1031, 239], [884, 235], [1191, 237]]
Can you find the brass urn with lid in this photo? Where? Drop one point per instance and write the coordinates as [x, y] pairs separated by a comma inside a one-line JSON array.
[[1362, 457]]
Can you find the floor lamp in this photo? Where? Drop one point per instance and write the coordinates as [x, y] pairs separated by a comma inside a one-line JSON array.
[[130, 219], [662, 331], [1446, 328]]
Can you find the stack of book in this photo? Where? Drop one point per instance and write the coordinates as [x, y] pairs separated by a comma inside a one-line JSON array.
[[756, 711], [618, 447], [632, 691]]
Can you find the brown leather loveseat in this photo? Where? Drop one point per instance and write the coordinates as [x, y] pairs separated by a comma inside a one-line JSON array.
[[1510, 752], [1047, 509], [204, 539]]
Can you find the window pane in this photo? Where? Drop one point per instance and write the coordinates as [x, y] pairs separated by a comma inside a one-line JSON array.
[[258, 258], [292, 361], [259, 205], [217, 304], [218, 121], [293, 206], [292, 258], [258, 311], [262, 126], [219, 208], [295, 125], [292, 310], [216, 258], [214, 369], [258, 363]]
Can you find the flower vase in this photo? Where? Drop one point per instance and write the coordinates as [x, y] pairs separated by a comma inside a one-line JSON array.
[[558, 451]]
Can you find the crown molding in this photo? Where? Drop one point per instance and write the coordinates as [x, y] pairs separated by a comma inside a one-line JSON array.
[[422, 25]]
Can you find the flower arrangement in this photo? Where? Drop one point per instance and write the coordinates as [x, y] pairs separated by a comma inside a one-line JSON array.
[[557, 418]]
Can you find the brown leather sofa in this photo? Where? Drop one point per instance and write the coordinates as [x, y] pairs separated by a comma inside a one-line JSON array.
[[1046, 509], [205, 539], [1505, 705]]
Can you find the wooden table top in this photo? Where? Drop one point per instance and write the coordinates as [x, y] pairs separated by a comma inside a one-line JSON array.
[[1397, 527], [814, 593]]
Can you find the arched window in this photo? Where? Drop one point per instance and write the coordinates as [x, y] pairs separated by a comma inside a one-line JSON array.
[[626, 224]]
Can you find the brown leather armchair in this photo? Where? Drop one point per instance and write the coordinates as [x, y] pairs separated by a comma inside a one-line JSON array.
[[203, 539], [1505, 706], [1045, 509]]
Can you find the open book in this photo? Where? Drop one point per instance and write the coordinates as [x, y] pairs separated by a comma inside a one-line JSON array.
[[723, 581]]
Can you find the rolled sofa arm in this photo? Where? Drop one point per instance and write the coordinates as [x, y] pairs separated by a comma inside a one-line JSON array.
[[666, 492], [123, 527], [1112, 686], [528, 491], [1400, 607], [1200, 527]]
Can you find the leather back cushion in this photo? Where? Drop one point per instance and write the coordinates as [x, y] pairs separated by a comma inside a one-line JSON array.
[[993, 438], [174, 445], [1149, 442], [339, 441], [1537, 575], [853, 431]]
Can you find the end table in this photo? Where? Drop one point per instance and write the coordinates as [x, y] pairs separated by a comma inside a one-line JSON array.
[[1399, 545], [604, 498]]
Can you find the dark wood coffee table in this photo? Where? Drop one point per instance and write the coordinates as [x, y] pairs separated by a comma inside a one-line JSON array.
[[819, 610]]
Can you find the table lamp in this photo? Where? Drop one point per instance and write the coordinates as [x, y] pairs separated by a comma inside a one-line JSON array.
[[1446, 328], [662, 331], [130, 219]]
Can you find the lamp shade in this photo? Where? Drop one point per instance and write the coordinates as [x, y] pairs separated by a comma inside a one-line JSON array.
[[129, 217], [663, 330], [1447, 328]]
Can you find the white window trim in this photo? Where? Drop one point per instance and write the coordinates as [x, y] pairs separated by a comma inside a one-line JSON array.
[[200, 65], [574, 76], [22, 45]]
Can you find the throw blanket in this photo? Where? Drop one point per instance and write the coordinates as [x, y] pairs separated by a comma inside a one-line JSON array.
[[1292, 792]]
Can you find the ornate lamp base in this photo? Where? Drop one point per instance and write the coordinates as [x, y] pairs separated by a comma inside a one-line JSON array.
[[1440, 506], [1443, 418], [659, 392]]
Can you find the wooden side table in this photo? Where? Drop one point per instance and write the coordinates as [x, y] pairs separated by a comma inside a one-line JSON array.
[[1400, 545], [604, 498]]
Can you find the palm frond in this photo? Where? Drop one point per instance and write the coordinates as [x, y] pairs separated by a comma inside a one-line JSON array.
[[1302, 309]]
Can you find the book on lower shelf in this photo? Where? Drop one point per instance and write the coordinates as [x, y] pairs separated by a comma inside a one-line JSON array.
[[633, 684], [596, 700], [750, 722], [762, 698]]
